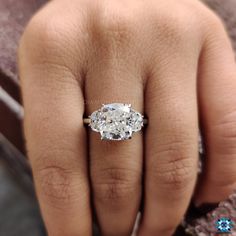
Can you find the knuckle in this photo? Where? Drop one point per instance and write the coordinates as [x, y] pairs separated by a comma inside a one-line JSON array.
[[55, 181], [113, 30], [174, 29], [52, 43], [177, 169], [49, 39], [58, 183], [213, 23], [43, 33], [115, 184], [176, 174]]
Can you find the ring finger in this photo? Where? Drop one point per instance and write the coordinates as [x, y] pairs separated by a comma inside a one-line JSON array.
[[115, 166]]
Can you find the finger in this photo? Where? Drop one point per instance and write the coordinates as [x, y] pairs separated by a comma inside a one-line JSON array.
[[56, 139], [171, 141], [217, 98], [115, 165]]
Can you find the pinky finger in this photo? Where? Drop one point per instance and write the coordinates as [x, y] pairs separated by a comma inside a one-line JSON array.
[[217, 101]]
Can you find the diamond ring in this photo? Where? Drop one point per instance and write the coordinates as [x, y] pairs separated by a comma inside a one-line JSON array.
[[116, 121]]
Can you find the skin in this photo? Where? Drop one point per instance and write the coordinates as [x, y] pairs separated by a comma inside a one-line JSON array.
[[173, 61]]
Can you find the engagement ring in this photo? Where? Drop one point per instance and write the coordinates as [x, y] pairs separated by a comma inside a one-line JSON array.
[[116, 121]]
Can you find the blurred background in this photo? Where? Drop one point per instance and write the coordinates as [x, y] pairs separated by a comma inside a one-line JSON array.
[[19, 212]]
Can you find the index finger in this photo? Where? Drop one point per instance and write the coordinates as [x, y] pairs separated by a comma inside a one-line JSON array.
[[56, 139]]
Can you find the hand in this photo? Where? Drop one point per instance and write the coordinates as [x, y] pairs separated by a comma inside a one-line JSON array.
[[169, 59]]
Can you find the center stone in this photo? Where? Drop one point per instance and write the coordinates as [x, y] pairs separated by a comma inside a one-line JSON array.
[[116, 121]]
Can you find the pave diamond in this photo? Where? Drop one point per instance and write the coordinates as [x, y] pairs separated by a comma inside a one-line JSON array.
[[116, 121]]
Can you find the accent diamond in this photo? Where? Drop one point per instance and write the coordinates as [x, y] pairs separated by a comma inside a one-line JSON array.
[[116, 121]]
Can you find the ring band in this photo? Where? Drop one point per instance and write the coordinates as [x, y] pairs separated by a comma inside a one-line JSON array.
[[116, 121]]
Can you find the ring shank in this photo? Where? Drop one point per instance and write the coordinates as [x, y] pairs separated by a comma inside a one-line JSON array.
[[87, 121]]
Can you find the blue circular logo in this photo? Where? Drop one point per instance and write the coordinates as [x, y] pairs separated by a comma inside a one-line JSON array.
[[224, 225]]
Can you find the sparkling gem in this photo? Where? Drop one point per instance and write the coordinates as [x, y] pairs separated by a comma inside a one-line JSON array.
[[116, 121]]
